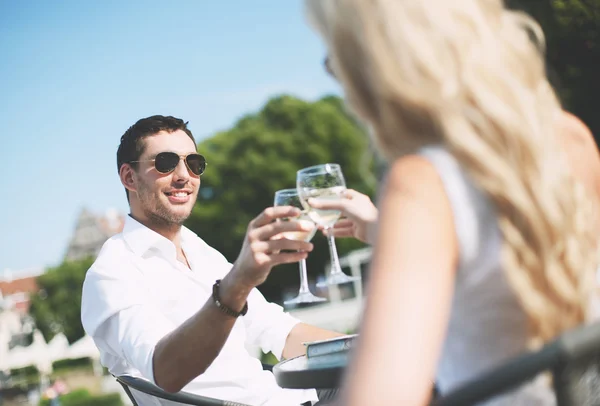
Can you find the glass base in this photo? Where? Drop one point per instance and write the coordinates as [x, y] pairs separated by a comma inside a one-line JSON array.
[[305, 297], [337, 279]]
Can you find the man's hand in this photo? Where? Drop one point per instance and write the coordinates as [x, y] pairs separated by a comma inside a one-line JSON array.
[[263, 245], [360, 215]]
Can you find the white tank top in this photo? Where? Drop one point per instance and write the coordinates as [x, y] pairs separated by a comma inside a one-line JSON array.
[[487, 326]]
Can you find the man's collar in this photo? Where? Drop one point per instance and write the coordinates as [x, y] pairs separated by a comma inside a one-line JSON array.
[[141, 238]]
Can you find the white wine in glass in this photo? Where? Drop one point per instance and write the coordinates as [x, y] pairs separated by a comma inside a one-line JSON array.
[[325, 218], [325, 182], [304, 219], [289, 197]]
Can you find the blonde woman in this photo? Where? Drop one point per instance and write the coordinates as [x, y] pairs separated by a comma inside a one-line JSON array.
[[486, 245]]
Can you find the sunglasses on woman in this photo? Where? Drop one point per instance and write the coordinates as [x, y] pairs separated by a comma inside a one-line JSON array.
[[327, 66], [166, 162]]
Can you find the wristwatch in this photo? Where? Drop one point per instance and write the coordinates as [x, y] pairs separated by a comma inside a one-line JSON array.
[[222, 307]]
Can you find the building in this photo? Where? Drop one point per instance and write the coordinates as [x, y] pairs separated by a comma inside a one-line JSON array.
[[16, 287], [91, 231], [16, 326]]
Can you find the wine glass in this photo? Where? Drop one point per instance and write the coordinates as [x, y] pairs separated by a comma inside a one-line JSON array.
[[325, 182], [289, 197]]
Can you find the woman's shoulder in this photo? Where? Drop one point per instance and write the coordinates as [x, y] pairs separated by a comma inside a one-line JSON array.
[[412, 172], [573, 131], [577, 142], [414, 179]]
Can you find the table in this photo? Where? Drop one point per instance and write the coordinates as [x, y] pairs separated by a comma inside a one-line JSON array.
[[322, 372]]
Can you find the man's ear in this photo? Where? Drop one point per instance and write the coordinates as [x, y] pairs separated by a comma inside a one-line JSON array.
[[128, 177]]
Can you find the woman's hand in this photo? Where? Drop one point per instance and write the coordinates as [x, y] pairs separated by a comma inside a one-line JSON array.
[[359, 215]]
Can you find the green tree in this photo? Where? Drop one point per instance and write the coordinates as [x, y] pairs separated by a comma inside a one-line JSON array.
[[56, 308], [572, 29], [260, 155]]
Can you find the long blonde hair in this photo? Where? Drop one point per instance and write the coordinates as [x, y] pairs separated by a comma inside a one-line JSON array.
[[470, 74]]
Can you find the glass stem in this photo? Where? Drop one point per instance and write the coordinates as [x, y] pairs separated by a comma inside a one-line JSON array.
[[303, 277], [335, 261]]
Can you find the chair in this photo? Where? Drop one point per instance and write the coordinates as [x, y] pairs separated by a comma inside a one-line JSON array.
[[573, 359], [185, 398]]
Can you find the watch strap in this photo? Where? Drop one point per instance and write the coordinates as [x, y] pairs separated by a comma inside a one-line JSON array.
[[228, 311]]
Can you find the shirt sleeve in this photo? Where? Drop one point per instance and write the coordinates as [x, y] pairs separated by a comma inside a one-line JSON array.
[[117, 313], [267, 325]]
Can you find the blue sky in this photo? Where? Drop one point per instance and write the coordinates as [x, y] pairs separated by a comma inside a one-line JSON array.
[[74, 75]]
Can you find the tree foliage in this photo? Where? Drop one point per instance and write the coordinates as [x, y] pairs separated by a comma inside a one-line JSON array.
[[56, 308], [572, 30], [259, 155]]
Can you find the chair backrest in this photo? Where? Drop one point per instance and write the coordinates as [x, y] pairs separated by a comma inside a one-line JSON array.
[[142, 385], [573, 359], [577, 379]]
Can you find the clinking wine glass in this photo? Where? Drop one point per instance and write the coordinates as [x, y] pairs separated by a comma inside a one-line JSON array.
[[325, 182], [289, 197]]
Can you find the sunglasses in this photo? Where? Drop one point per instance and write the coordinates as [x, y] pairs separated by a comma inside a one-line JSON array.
[[327, 66], [166, 162]]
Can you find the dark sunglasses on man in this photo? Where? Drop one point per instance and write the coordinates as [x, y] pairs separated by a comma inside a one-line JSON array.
[[166, 162]]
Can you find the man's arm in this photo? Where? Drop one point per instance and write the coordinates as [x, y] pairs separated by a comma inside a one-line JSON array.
[[190, 349], [302, 333]]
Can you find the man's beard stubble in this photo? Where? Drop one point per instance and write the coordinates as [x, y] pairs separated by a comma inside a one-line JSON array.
[[156, 212]]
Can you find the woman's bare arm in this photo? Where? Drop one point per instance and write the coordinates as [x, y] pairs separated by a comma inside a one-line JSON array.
[[410, 289]]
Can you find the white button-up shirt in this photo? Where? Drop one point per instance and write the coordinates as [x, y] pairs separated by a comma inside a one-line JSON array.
[[136, 292]]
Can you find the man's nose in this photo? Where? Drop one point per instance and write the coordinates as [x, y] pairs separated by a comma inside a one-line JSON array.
[[181, 171]]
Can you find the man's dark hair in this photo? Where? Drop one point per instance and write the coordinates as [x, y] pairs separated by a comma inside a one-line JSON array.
[[132, 142]]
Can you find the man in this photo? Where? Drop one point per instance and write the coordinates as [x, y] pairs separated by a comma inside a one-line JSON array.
[[161, 304]]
